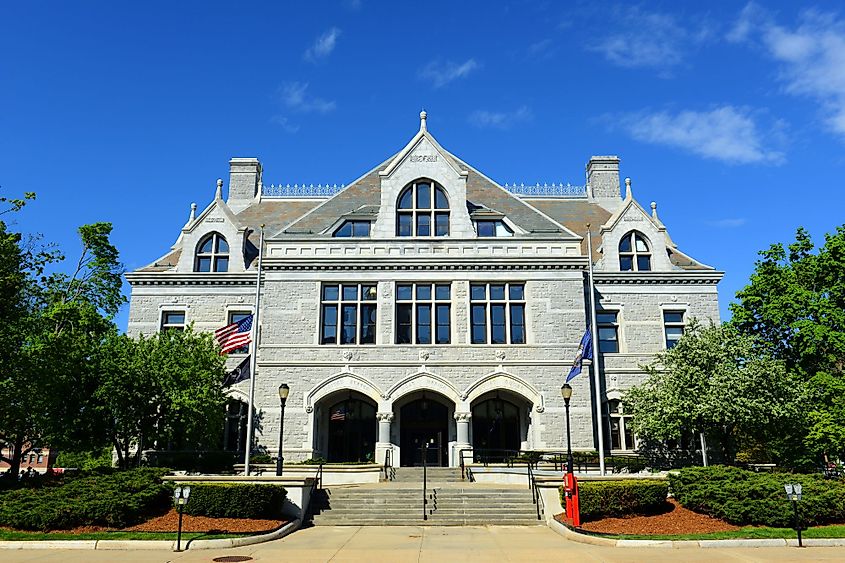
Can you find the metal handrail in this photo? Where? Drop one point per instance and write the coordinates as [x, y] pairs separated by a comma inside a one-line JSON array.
[[424, 449], [316, 485]]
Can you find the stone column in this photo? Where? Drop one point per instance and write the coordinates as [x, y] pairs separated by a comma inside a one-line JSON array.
[[462, 419], [384, 421]]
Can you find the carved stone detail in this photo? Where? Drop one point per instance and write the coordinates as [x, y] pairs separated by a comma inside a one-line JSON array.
[[384, 416], [424, 355], [463, 416]]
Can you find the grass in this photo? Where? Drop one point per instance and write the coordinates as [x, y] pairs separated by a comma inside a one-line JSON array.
[[13, 535], [747, 532]]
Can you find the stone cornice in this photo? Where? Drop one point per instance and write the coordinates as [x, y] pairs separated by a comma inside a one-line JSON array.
[[479, 265], [191, 278], [690, 277]]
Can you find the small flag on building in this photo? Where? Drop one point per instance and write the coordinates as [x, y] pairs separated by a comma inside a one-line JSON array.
[[585, 352], [240, 373], [234, 336], [339, 414]]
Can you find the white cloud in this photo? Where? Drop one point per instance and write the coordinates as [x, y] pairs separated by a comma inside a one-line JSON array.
[[725, 133], [641, 39], [285, 123], [500, 119], [731, 223], [811, 54], [440, 73], [323, 46], [294, 96]]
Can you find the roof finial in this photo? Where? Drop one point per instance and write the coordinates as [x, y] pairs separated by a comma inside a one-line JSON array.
[[654, 210], [423, 116], [193, 213], [219, 193], [628, 188]]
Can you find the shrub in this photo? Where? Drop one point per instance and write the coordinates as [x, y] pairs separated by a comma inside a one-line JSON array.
[[600, 499], [202, 461], [236, 501], [97, 498], [744, 497], [626, 464], [85, 460]]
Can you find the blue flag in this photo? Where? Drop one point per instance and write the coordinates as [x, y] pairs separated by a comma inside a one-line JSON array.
[[585, 352]]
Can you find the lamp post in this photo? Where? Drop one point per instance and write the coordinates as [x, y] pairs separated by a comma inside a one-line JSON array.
[[284, 391], [566, 393], [793, 493], [180, 497]]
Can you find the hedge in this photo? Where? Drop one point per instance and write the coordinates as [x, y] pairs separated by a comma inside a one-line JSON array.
[[236, 501], [601, 499], [102, 498], [200, 461], [744, 497]]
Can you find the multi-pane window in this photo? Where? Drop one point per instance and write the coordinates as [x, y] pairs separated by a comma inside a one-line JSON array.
[[634, 254], [353, 228], [236, 317], [348, 313], [497, 313], [423, 313], [621, 435], [212, 254], [673, 327], [608, 328], [492, 228], [422, 211], [173, 320]]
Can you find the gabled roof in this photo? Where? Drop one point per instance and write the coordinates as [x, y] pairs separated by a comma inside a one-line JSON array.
[[576, 214]]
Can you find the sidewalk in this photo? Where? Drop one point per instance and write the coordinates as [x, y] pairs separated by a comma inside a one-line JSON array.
[[411, 543]]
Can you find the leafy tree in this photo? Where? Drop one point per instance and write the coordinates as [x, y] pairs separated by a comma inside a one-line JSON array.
[[716, 380], [795, 302], [161, 391]]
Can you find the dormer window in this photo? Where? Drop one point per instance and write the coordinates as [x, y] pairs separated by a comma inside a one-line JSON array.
[[634, 254], [212, 254], [422, 211], [492, 228], [353, 229]]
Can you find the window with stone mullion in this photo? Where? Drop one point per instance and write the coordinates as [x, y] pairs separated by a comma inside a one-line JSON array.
[[497, 313], [423, 313], [422, 211], [348, 314]]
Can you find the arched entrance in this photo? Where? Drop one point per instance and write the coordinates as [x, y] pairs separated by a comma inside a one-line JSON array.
[[422, 420], [350, 424], [496, 428]]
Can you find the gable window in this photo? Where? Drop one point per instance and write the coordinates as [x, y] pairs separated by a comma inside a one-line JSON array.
[[634, 254], [353, 228], [492, 228], [212, 254], [348, 314], [608, 328], [497, 313], [673, 327], [173, 320], [423, 313], [422, 211], [621, 435]]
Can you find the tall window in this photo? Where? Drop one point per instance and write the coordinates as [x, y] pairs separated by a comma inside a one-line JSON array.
[[212, 254], [234, 429], [235, 317], [621, 435], [497, 313], [608, 327], [173, 320], [673, 327], [423, 313], [634, 254], [353, 229], [422, 211], [348, 314]]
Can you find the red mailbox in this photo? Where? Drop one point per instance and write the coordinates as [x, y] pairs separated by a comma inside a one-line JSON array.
[[570, 491]]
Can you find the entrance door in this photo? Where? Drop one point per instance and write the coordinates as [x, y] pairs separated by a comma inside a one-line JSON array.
[[495, 429], [424, 421], [352, 431]]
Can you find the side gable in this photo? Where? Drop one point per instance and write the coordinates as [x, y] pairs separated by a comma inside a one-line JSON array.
[[217, 217]]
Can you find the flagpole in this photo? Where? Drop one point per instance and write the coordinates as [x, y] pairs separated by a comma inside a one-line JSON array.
[[595, 362], [254, 359]]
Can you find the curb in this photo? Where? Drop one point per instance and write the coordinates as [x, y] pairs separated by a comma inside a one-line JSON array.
[[160, 545], [572, 535]]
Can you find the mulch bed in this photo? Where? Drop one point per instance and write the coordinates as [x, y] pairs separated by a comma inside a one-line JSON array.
[[676, 520]]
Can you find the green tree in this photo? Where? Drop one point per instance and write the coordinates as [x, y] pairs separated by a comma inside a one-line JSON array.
[[163, 391], [716, 380], [795, 302]]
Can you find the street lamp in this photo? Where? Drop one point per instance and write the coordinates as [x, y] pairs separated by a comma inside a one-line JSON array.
[[180, 497], [284, 391], [566, 393], [793, 493]]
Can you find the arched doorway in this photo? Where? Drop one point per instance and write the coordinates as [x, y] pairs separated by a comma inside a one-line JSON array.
[[424, 420], [351, 430], [496, 427]]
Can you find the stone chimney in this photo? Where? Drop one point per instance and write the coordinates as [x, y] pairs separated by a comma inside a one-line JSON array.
[[244, 182], [603, 177]]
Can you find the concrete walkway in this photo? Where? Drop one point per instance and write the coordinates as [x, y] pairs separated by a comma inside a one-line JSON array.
[[411, 543]]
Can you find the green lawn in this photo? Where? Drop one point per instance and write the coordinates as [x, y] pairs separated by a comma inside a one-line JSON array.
[[10, 535], [747, 532]]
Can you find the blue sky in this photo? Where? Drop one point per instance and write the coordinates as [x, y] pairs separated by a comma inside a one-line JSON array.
[[730, 116]]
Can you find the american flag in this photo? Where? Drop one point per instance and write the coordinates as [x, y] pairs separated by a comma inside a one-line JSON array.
[[234, 336], [338, 414]]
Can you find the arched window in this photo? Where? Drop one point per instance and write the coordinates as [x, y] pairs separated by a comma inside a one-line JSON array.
[[634, 254], [422, 211], [212, 254]]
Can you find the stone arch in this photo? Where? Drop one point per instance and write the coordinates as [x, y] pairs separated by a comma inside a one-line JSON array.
[[424, 381], [340, 382], [505, 381]]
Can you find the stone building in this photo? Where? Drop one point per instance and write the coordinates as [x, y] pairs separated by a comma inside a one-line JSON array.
[[424, 302]]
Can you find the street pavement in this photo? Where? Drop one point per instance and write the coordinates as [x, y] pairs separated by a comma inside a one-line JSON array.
[[397, 544]]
